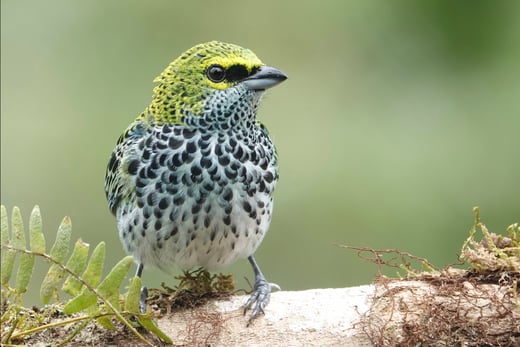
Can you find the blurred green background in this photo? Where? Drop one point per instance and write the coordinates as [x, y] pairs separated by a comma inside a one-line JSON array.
[[397, 119]]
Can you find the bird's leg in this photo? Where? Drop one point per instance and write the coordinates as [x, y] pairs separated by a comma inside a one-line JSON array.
[[262, 292], [144, 290]]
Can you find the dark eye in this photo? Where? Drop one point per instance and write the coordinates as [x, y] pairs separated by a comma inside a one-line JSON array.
[[216, 73]]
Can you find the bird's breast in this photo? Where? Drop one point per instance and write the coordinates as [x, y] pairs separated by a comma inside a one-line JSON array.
[[201, 199]]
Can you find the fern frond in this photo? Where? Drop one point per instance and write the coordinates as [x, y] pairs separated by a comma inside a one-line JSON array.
[[93, 297]]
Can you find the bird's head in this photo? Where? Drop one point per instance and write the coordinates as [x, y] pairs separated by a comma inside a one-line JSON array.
[[212, 81]]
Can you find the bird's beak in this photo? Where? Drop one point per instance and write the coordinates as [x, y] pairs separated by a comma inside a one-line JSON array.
[[263, 78]]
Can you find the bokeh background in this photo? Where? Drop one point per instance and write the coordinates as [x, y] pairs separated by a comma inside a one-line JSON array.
[[397, 119]]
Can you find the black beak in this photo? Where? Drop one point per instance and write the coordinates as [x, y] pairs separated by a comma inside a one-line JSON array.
[[263, 78]]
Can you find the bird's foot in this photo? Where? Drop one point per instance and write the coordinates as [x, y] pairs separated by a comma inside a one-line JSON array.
[[142, 300], [259, 298]]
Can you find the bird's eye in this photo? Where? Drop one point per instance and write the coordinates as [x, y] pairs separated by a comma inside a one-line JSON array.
[[216, 73]]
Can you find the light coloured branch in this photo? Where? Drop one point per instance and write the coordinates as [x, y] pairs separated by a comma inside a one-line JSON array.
[[452, 309], [385, 314], [318, 317]]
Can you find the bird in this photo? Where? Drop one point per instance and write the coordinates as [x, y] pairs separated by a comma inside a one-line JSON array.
[[191, 179]]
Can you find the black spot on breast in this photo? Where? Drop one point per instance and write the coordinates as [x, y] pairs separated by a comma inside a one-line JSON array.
[[223, 160], [175, 143], [154, 164], [208, 186], [218, 150], [235, 165], [228, 194], [239, 154], [187, 157], [205, 162], [140, 183], [178, 200], [151, 199], [207, 221], [133, 166], [253, 157], [269, 177], [161, 145], [150, 172], [213, 171], [246, 206], [176, 161], [163, 203], [158, 225], [195, 170], [231, 174], [157, 213], [227, 220], [262, 187], [196, 208], [166, 129], [146, 154], [191, 147], [162, 159], [188, 133]]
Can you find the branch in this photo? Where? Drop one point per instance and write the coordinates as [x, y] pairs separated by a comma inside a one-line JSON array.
[[447, 308], [452, 309]]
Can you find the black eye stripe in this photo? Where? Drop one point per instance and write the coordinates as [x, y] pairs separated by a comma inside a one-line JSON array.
[[234, 73]]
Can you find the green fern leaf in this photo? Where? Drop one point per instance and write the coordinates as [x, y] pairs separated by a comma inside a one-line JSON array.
[[149, 324], [132, 306], [133, 296], [81, 302], [92, 275], [36, 237], [109, 288], [58, 253], [76, 264], [8, 256], [26, 265], [106, 323]]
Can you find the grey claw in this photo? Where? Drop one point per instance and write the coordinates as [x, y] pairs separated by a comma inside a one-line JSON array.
[[258, 300], [142, 299]]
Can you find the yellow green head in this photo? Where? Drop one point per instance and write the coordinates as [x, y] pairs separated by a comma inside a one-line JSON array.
[[210, 78]]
